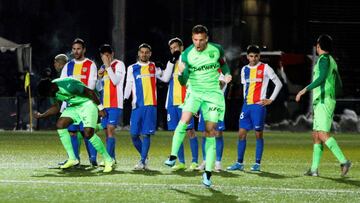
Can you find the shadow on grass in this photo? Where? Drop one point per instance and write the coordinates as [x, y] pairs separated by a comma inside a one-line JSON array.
[[271, 175], [81, 171], [147, 172], [225, 174], [215, 196], [344, 180]]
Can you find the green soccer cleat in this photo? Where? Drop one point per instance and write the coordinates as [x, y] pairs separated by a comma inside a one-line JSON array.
[[179, 167], [109, 166], [70, 163], [193, 166]]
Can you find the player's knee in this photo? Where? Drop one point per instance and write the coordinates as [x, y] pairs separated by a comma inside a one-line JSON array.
[[191, 133], [61, 125], [259, 134], [88, 132]]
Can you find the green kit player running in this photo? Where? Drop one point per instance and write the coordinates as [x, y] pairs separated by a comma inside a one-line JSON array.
[[324, 86], [82, 103], [199, 71]]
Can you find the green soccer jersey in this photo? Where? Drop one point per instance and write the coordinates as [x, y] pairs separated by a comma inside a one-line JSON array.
[[326, 79], [201, 71], [70, 91]]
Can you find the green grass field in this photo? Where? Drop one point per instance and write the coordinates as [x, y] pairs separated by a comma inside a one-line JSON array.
[[29, 172]]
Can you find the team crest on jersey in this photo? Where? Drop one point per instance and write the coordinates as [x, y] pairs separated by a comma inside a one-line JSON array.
[[211, 55], [84, 69], [259, 72]]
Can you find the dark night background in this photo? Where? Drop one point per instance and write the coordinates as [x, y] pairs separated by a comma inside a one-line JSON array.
[[289, 26]]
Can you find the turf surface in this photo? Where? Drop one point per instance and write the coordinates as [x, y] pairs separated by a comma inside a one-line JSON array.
[[29, 172]]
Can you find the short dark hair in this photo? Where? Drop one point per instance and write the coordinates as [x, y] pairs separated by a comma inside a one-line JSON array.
[[325, 42], [105, 48], [144, 45], [79, 41], [200, 29], [253, 49], [176, 39], [44, 87]]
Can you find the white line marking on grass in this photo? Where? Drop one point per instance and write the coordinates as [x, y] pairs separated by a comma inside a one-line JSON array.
[[152, 185]]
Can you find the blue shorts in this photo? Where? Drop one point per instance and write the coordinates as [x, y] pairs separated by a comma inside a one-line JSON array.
[[201, 125], [76, 127], [112, 117], [174, 116], [252, 117], [143, 120]]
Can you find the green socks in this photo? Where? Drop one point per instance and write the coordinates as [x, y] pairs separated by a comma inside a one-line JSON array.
[[335, 149], [66, 141], [317, 153], [178, 137], [210, 148], [99, 146]]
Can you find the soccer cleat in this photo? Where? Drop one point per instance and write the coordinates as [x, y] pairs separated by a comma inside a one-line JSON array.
[[236, 167], [193, 166], [217, 167], [93, 163], [62, 163], [146, 165], [102, 164], [109, 166], [70, 163], [170, 163], [179, 167], [139, 166], [201, 166], [207, 182], [312, 173], [345, 168], [255, 167]]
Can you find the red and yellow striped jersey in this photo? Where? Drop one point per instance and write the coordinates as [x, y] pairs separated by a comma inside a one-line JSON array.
[[112, 85], [84, 70], [255, 80]]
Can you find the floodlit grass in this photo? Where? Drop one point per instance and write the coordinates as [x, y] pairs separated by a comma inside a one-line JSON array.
[[29, 172]]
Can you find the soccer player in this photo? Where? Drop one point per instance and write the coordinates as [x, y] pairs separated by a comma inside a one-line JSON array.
[[59, 62], [84, 70], [141, 84], [198, 69], [175, 97], [81, 107], [326, 83], [112, 76], [219, 136], [255, 78]]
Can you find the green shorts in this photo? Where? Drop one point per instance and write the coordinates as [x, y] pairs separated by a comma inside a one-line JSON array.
[[212, 104], [323, 115], [86, 113]]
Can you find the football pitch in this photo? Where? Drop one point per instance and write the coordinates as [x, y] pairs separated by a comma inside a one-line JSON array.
[[29, 172]]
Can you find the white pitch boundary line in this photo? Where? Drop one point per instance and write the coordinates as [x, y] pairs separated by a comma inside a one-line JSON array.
[[152, 185]]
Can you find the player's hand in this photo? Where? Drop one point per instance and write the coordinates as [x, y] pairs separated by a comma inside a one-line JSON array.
[[175, 56], [101, 72], [266, 102], [227, 78], [102, 113], [106, 60], [299, 94], [38, 115]]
